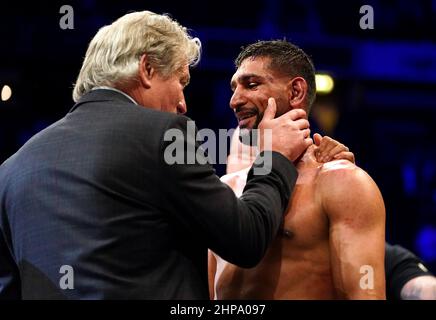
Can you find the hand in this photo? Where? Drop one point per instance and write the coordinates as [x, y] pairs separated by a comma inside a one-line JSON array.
[[419, 288], [328, 149], [290, 132]]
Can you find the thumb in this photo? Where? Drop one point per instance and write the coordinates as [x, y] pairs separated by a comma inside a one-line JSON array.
[[270, 112], [317, 139]]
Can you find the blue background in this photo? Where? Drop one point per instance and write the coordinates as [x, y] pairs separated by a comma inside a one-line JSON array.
[[383, 105]]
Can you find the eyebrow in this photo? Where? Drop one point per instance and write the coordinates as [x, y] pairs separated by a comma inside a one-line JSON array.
[[244, 78], [185, 80]]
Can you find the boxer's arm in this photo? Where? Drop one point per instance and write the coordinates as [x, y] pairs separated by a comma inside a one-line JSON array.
[[211, 265], [241, 156], [236, 181], [356, 214]]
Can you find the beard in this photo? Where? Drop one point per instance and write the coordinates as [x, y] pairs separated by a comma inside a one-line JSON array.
[[249, 136]]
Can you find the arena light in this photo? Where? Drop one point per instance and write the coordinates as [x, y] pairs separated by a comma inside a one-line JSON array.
[[324, 83], [6, 93]]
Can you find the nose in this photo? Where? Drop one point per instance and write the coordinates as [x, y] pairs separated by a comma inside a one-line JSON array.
[[237, 100], [181, 107]]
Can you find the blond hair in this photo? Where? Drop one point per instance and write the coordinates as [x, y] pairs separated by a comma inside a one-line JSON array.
[[114, 53]]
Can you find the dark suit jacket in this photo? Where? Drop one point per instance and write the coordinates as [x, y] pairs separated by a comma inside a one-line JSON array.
[[93, 192], [401, 266]]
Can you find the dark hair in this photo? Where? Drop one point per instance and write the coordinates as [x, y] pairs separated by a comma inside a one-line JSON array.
[[286, 58]]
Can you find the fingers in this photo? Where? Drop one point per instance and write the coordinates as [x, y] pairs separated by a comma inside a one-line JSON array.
[[302, 124], [340, 152], [324, 148], [336, 150], [306, 133], [345, 155], [317, 138], [329, 152], [295, 114], [291, 131], [270, 111], [308, 142], [328, 148]]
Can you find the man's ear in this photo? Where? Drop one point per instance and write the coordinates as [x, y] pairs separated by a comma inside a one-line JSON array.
[[146, 72], [297, 91]]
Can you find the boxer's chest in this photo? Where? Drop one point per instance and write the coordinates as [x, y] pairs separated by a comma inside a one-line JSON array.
[[305, 224]]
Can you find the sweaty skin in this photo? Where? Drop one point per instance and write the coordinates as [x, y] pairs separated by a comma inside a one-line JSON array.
[[334, 228]]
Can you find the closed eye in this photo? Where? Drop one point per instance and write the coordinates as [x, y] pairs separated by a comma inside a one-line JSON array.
[[184, 81], [252, 85], [184, 84]]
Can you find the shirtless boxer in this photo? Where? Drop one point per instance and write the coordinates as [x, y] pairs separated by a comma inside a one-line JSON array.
[[331, 244]]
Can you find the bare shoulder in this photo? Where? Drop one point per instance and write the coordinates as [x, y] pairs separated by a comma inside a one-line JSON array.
[[337, 167], [344, 187], [342, 173]]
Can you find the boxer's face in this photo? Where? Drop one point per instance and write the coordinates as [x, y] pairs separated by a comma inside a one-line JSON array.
[[252, 84]]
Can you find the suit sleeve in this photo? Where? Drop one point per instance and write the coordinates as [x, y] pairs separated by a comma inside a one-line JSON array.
[[401, 265], [9, 277], [238, 230]]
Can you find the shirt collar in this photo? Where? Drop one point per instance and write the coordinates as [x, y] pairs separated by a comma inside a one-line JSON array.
[[116, 90]]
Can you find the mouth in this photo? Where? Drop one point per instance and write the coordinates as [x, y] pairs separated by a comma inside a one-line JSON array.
[[245, 118]]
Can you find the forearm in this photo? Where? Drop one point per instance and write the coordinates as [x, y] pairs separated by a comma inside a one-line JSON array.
[[364, 294], [420, 288], [355, 209], [357, 262], [211, 265], [360, 283]]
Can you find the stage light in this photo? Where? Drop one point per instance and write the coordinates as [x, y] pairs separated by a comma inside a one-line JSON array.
[[6, 93], [324, 83]]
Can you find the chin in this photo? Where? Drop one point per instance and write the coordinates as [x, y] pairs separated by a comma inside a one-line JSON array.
[[248, 136]]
